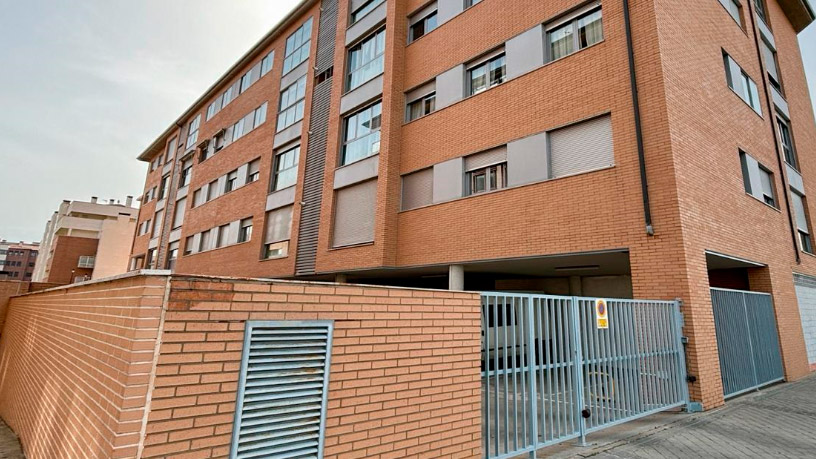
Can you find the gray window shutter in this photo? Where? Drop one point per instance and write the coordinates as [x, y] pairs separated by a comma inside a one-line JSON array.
[[799, 209], [417, 189], [255, 73], [582, 147], [420, 92], [283, 390], [178, 218], [767, 185], [486, 158], [354, 211], [770, 61], [278, 225]]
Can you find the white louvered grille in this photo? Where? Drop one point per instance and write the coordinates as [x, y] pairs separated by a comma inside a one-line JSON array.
[[282, 390]]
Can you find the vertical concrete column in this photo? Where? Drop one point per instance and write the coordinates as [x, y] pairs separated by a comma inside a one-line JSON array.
[[575, 286], [456, 277]]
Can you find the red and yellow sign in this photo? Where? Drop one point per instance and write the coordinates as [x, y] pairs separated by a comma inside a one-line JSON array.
[[601, 314]]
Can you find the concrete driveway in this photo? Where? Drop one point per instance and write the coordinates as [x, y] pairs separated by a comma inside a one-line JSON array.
[[778, 422]]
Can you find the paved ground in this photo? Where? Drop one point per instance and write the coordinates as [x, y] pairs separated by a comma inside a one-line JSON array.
[[9, 445], [779, 422]]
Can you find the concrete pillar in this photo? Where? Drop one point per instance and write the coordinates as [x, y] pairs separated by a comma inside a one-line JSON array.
[[576, 287], [341, 278], [456, 277]]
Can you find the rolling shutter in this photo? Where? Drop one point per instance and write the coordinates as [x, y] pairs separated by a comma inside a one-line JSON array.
[[354, 214], [278, 225], [799, 211], [282, 390], [582, 147], [417, 189], [486, 158]]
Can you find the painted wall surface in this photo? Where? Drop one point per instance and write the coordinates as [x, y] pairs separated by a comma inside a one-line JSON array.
[[113, 251]]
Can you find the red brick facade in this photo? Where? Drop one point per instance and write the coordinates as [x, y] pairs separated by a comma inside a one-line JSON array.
[[693, 126], [64, 263]]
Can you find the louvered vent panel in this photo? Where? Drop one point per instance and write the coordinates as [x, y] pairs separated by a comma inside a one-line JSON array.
[[281, 405]]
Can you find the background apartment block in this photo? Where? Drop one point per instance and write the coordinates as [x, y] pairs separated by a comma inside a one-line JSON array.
[[86, 240], [17, 260], [601, 148]]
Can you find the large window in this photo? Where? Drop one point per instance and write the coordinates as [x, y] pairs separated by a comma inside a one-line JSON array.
[[192, 132], [757, 179], [178, 215], [760, 10], [771, 66], [486, 171], [266, 63], [172, 254], [576, 34], [157, 223], [292, 103], [741, 83], [297, 47], [421, 25], [422, 106], [232, 181], [734, 8], [245, 230], [361, 135], [286, 169], [802, 217], [164, 188], [253, 171], [366, 60], [486, 74], [186, 173], [278, 230], [786, 140], [171, 149], [364, 9]]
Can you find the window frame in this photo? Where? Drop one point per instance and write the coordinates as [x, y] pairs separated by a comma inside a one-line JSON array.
[[423, 102], [289, 65], [245, 230], [789, 154], [296, 90], [192, 131], [379, 56], [277, 171], [422, 18], [346, 142], [500, 170], [485, 63], [573, 22], [361, 12]]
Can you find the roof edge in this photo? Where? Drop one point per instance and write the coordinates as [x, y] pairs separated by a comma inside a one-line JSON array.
[[242, 61]]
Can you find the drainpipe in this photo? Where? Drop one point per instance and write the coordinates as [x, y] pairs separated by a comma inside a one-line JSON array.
[[772, 116], [644, 184]]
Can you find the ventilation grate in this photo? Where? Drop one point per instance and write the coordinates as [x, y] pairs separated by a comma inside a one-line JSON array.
[[282, 390]]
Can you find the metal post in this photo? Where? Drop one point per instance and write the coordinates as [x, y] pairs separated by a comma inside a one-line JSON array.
[[681, 352], [578, 373], [531, 365]]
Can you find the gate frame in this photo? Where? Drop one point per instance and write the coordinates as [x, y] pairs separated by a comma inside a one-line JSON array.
[[578, 375]]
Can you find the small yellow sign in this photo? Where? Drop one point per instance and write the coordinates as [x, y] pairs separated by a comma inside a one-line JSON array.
[[601, 314]]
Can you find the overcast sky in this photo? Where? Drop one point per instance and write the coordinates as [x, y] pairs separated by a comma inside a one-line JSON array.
[[86, 85]]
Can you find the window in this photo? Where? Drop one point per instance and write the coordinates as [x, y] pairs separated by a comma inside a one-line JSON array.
[[155, 163], [278, 230], [757, 179], [422, 24], [86, 261], [157, 223], [246, 81], [266, 63], [741, 83], [254, 171], [292, 104], [192, 136], [222, 236], [486, 74], [297, 47], [171, 150], [232, 181], [238, 130], [286, 169], [165, 187], [178, 215], [150, 261], [486, 171], [422, 106], [786, 140], [417, 189], [354, 214], [469, 3], [260, 116], [188, 245], [212, 190], [198, 197], [563, 39], [802, 227], [226, 97], [734, 8], [220, 140], [172, 254], [364, 9], [581, 147], [144, 227], [771, 66], [361, 134], [366, 60], [204, 242], [214, 108], [760, 10], [245, 230], [186, 172]]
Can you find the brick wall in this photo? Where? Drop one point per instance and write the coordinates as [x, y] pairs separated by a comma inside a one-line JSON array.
[[9, 288], [84, 374], [76, 363], [404, 377], [64, 264]]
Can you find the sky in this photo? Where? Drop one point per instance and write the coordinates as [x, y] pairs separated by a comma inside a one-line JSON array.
[[86, 86]]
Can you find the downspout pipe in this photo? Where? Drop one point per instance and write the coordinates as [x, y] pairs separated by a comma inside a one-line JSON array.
[[772, 116], [644, 184]]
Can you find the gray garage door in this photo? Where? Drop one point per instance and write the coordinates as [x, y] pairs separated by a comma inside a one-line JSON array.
[[806, 295]]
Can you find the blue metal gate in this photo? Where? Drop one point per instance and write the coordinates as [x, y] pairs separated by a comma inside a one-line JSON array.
[[550, 373], [747, 340]]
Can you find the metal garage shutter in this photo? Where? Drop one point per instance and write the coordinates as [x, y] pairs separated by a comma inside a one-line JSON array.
[[582, 147], [282, 390], [354, 210], [417, 189], [806, 297]]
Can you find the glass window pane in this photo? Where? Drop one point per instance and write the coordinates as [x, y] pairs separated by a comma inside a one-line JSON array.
[[478, 79], [590, 29], [561, 41]]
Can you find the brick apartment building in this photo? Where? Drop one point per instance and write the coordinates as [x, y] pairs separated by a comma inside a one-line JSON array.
[[604, 148], [86, 240], [17, 260]]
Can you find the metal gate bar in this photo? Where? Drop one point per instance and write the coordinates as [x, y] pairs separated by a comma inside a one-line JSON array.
[[544, 361]]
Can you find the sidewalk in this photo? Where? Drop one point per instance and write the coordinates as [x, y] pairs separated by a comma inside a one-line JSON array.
[[778, 422]]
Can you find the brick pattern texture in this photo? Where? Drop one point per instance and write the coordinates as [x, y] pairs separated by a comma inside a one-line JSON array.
[[112, 369], [76, 364]]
